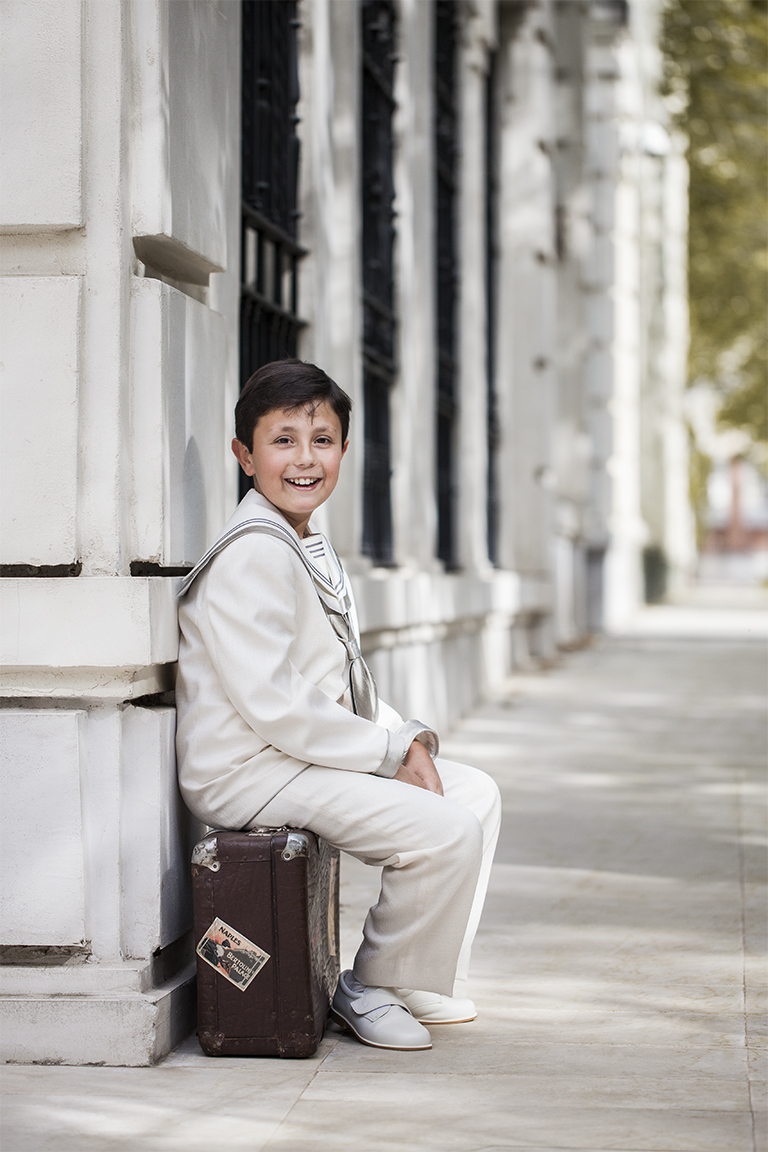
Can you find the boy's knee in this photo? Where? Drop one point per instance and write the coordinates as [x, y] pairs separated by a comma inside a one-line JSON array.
[[488, 805], [462, 835], [472, 788], [442, 831], [494, 796]]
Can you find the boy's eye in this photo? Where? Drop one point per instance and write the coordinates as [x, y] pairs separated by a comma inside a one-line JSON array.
[[323, 440], [282, 440]]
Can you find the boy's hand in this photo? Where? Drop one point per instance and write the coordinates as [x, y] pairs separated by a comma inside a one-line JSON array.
[[418, 769]]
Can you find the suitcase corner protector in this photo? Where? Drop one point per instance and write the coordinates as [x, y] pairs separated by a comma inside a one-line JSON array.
[[296, 844], [210, 1041], [205, 853]]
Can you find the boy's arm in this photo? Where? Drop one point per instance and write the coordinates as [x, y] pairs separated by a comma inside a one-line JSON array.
[[249, 637]]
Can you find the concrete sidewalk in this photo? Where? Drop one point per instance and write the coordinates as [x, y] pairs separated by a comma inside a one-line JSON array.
[[617, 970]]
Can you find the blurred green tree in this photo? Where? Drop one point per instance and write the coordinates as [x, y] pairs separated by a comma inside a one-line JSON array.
[[716, 82]]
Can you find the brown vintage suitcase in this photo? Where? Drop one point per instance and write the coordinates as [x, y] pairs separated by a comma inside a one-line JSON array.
[[266, 912]]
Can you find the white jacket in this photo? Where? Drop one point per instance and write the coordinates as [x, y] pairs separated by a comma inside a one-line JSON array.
[[262, 687]]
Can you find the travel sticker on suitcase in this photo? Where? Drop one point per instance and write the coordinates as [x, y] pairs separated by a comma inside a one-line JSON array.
[[236, 958]]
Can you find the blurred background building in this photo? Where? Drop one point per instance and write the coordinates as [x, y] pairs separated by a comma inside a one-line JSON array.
[[472, 214]]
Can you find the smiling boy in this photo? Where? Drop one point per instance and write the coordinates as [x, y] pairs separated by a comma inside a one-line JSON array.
[[279, 721], [294, 459]]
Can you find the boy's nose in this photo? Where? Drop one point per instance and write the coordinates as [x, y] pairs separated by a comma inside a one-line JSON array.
[[304, 456]]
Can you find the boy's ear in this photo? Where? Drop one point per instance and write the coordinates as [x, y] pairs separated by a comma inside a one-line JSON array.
[[344, 447], [243, 454]]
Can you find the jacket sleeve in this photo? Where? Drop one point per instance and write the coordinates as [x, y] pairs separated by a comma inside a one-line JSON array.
[[248, 619]]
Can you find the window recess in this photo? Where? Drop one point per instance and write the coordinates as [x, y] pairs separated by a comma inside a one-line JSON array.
[[446, 145], [491, 249], [270, 252], [379, 322]]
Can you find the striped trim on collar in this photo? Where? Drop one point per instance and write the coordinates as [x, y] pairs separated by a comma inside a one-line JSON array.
[[333, 584]]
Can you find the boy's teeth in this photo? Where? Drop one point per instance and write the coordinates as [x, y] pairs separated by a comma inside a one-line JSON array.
[[305, 483]]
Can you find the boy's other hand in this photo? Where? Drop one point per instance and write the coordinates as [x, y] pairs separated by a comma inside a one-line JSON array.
[[418, 769]]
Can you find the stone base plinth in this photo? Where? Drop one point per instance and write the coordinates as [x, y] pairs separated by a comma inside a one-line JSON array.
[[92, 1015]]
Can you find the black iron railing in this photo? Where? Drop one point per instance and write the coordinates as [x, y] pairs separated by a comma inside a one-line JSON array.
[[270, 94], [268, 298], [378, 104], [491, 248], [446, 175]]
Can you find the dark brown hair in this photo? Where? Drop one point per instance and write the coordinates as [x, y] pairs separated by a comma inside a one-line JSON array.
[[288, 384]]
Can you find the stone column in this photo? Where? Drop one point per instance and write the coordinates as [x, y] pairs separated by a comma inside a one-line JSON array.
[[472, 439], [120, 279], [526, 317], [413, 400]]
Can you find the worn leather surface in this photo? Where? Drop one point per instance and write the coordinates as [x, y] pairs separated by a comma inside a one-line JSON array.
[[289, 907]]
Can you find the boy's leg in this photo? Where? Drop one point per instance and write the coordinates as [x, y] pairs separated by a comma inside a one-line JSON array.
[[479, 792], [430, 849]]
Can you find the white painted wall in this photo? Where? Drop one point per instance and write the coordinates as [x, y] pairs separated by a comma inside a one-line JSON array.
[[43, 900], [156, 835], [413, 399], [472, 439], [100, 637], [178, 430], [39, 380], [178, 205], [679, 541], [526, 302], [120, 374], [41, 115]]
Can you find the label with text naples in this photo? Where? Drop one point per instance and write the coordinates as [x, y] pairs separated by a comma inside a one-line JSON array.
[[235, 957]]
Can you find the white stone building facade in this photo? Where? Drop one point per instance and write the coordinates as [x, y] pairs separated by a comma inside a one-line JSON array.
[[564, 460]]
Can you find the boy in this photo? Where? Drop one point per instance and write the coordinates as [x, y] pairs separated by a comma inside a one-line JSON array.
[[278, 721]]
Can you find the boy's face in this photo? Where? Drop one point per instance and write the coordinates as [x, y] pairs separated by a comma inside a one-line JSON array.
[[295, 459]]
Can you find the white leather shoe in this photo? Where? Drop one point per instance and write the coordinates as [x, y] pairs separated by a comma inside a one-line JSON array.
[[377, 1016], [432, 1008]]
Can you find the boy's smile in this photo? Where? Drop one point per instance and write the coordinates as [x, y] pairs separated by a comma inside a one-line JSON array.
[[295, 459]]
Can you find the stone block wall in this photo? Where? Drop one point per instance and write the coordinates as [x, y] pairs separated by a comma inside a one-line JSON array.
[[119, 210]]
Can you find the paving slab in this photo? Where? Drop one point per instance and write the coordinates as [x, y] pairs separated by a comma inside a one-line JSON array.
[[619, 970]]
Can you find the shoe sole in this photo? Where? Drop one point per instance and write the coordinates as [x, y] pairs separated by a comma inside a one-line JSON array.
[[347, 1027], [460, 1020]]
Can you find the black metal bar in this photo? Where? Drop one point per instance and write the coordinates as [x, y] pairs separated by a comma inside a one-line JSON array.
[[382, 309], [446, 144], [379, 368], [267, 228], [377, 365], [491, 247], [379, 77], [271, 307]]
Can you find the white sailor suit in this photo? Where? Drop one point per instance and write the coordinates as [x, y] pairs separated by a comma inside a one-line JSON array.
[[266, 736]]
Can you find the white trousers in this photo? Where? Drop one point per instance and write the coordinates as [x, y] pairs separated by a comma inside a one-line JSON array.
[[435, 853]]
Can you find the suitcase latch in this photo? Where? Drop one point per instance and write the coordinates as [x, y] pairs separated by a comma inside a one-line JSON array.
[[205, 853], [296, 845]]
